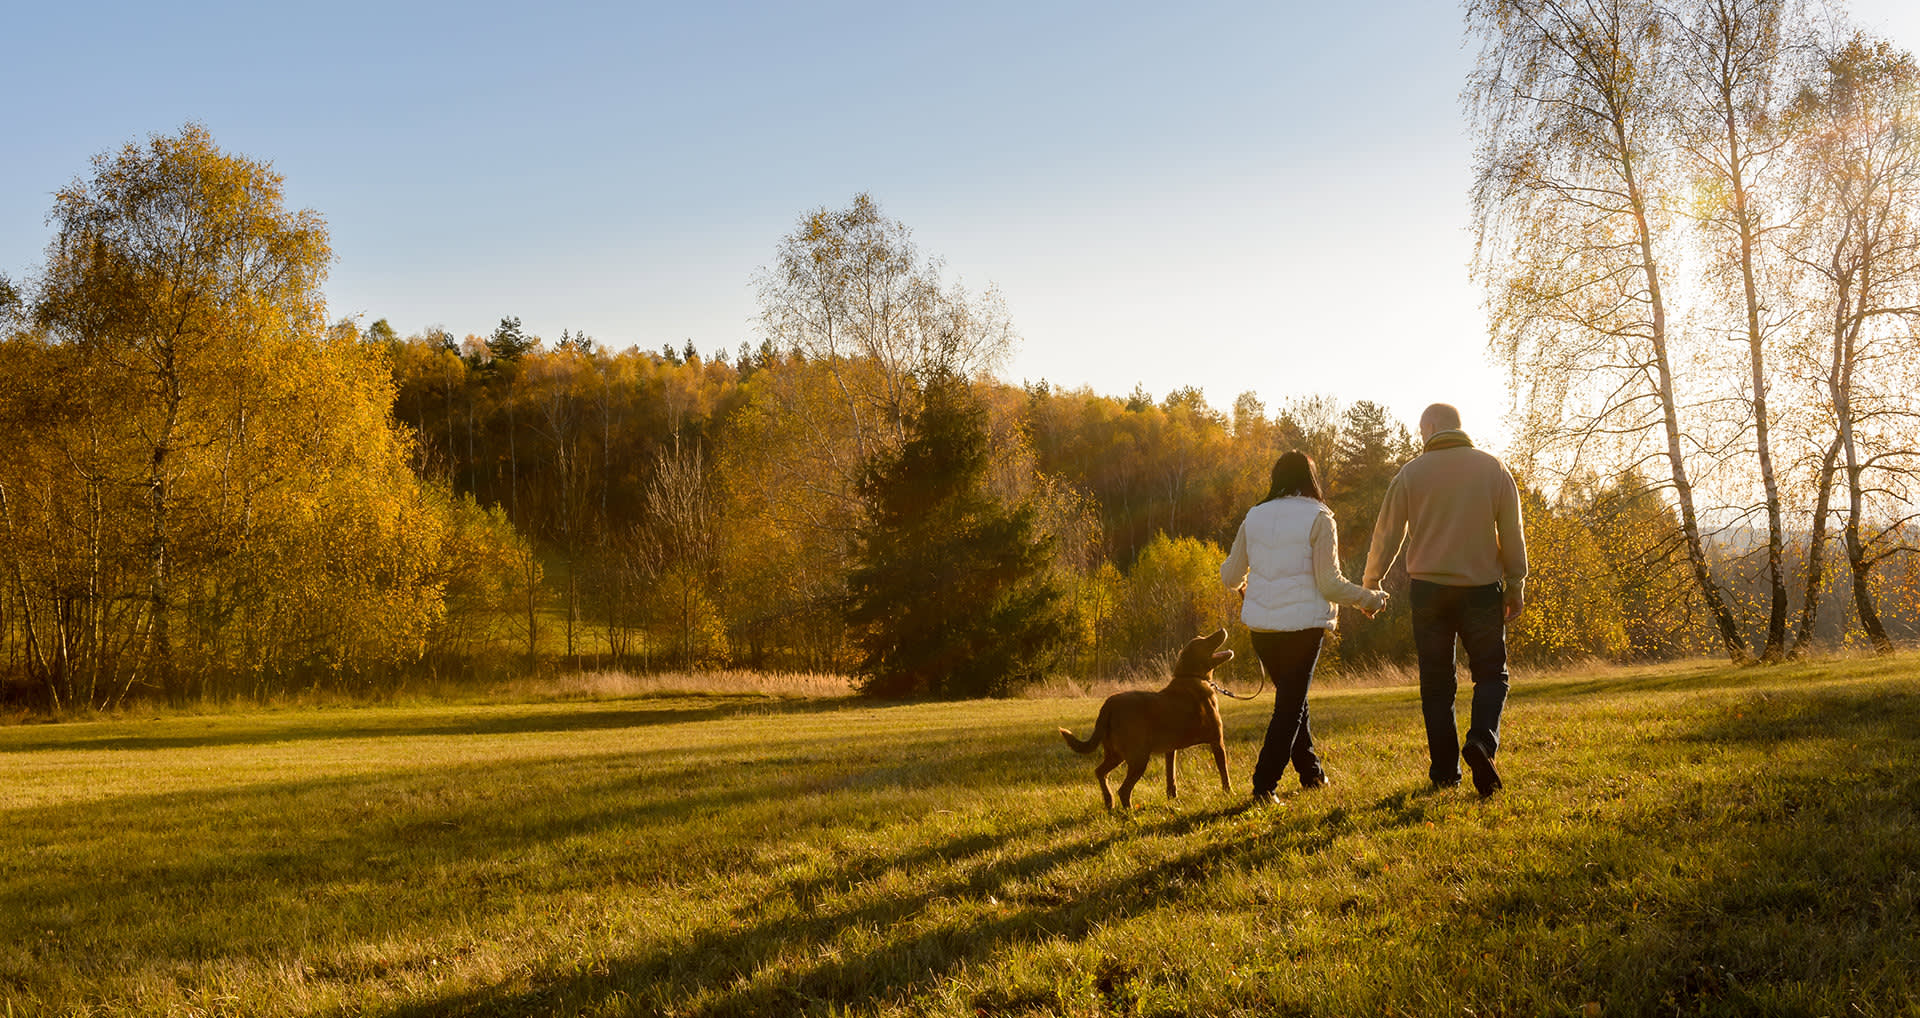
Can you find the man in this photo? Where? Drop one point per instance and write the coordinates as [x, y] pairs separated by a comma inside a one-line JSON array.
[[1457, 511]]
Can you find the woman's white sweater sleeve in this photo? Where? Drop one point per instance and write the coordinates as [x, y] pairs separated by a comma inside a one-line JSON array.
[[1332, 583], [1233, 572]]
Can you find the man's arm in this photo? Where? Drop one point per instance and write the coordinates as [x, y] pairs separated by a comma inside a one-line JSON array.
[[1389, 531], [1509, 528]]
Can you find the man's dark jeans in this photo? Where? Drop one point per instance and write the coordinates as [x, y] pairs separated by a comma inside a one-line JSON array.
[[1288, 658], [1477, 615]]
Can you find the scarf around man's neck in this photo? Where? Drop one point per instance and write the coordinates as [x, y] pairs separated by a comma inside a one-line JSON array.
[[1452, 438]]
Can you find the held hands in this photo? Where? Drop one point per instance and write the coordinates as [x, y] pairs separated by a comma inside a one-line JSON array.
[[1379, 604]]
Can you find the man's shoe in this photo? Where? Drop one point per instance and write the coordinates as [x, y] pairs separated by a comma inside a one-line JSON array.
[[1266, 798], [1442, 786], [1486, 780], [1322, 780]]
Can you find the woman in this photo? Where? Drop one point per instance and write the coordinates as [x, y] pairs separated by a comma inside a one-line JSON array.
[[1284, 564]]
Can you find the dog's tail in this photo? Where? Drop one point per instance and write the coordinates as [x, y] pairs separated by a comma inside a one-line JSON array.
[[1091, 742]]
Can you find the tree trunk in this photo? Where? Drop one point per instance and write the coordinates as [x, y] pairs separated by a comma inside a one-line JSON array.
[[1857, 555], [453, 454], [161, 667], [35, 658], [533, 591], [513, 459], [1756, 353], [473, 459], [1730, 639], [1850, 318], [1816, 553], [96, 619]]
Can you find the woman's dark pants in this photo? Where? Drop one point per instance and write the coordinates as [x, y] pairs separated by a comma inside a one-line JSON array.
[[1477, 616], [1288, 658]]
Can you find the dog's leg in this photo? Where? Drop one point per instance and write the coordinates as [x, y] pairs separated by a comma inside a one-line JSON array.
[[1220, 761], [1135, 768], [1100, 774], [1172, 793]]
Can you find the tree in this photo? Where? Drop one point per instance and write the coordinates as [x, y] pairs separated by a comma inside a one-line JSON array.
[[509, 342], [1366, 457], [1639, 534], [1173, 593], [1368, 451], [789, 455], [1861, 170], [952, 593], [556, 379], [853, 318], [1574, 604], [1734, 56], [176, 266], [205, 490], [684, 534], [849, 285], [1575, 241]]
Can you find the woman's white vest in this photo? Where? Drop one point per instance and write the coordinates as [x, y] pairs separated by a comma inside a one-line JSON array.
[[1281, 592]]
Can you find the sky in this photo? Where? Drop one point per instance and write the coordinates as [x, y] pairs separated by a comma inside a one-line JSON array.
[[1258, 196]]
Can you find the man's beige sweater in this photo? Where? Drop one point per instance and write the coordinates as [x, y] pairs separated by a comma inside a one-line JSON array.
[[1457, 511]]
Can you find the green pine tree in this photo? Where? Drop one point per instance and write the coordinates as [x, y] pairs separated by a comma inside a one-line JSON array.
[[951, 594], [1369, 451], [509, 342]]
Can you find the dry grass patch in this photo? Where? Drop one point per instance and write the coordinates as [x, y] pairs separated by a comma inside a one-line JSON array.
[[607, 685]]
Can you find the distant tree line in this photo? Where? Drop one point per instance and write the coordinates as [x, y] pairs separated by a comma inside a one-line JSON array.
[[210, 490]]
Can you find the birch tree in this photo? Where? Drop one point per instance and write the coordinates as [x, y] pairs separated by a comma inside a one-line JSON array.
[[1734, 66], [1576, 238], [176, 265], [1861, 248]]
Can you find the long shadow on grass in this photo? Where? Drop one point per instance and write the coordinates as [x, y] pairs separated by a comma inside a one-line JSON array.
[[1703, 677], [417, 849], [959, 916], [325, 835], [559, 717], [1789, 903], [1778, 718], [1783, 891], [409, 855]]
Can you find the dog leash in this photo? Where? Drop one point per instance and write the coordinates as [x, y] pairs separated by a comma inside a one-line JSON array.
[[1228, 692]]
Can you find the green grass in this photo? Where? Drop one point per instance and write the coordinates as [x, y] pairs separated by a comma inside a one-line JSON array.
[[1674, 840]]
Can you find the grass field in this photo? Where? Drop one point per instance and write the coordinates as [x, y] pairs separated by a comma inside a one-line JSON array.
[[1687, 839]]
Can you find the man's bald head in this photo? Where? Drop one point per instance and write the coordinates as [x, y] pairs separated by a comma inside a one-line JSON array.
[[1437, 418]]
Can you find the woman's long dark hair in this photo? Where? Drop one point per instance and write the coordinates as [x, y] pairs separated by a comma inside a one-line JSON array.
[[1293, 474]]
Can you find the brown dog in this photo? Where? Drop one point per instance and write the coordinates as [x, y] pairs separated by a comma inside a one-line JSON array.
[[1138, 725]]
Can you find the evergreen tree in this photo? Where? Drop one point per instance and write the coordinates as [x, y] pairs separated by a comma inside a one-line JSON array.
[[1368, 452], [508, 342], [1366, 457], [951, 594]]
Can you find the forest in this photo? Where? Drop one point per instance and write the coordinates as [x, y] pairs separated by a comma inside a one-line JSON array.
[[1699, 235]]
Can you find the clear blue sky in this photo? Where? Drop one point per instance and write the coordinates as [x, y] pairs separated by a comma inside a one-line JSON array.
[[1266, 196]]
